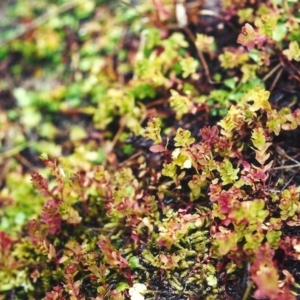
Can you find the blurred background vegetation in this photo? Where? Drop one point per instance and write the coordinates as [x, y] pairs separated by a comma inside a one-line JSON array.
[[58, 59]]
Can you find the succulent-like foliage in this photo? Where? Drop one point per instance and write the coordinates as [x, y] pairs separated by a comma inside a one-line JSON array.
[[169, 165]]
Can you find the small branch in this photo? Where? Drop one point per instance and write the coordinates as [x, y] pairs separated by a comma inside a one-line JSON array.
[[281, 152], [288, 182], [126, 161], [275, 80], [131, 6], [154, 103], [42, 19], [25, 162], [14, 151], [286, 167], [267, 76], [248, 290], [200, 54]]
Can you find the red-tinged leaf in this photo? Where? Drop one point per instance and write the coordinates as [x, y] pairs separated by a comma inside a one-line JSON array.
[[261, 156], [225, 202], [170, 262], [5, 242], [226, 241], [259, 174], [247, 37], [51, 216], [265, 276], [215, 190], [246, 166], [52, 252], [111, 255], [157, 148], [293, 223], [268, 166], [54, 189], [210, 135], [260, 40], [69, 214], [56, 293], [71, 269], [40, 184], [152, 131], [296, 113], [34, 231]]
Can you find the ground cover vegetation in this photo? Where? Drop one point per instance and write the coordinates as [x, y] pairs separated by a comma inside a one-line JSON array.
[[150, 150]]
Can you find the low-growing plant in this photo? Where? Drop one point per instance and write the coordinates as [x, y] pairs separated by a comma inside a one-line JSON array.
[[169, 165]]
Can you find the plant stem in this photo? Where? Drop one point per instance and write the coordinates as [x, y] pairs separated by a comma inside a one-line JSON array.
[[42, 19], [248, 289], [286, 167]]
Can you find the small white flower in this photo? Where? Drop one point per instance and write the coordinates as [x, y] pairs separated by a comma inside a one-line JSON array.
[[176, 153], [181, 15], [187, 163], [136, 291]]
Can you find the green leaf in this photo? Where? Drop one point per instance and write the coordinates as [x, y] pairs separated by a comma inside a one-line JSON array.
[[182, 159], [225, 242], [169, 170], [293, 52], [189, 66], [77, 133], [69, 214], [183, 138], [134, 262], [258, 138], [212, 280], [279, 32], [230, 82], [153, 129], [273, 237], [245, 14], [266, 25], [227, 172], [253, 240], [181, 104], [196, 184], [259, 97], [122, 286]]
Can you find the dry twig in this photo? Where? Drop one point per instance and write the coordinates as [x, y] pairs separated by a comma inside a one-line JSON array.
[[42, 19]]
